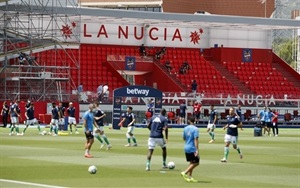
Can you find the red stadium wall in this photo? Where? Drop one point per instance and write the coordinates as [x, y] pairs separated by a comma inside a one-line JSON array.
[[143, 79], [116, 74], [236, 54], [162, 80]]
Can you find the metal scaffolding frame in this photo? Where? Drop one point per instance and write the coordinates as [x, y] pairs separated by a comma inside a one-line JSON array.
[[298, 52], [283, 11], [47, 25], [23, 33]]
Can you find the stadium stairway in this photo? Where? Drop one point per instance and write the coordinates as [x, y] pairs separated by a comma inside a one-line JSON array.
[[172, 76], [210, 80], [231, 78], [287, 74], [116, 74]]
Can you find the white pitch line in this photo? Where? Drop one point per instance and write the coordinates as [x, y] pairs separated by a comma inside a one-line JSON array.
[[32, 184]]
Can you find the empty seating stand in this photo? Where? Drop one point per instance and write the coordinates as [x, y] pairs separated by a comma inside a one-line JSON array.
[[91, 72], [262, 78], [259, 77], [210, 81]]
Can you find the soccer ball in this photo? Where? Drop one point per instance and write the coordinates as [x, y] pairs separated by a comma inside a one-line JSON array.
[[44, 132], [92, 169], [171, 165]]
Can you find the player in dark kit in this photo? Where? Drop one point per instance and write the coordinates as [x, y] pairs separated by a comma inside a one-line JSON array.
[[129, 119], [182, 109], [72, 119], [14, 112], [99, 131], [27, 105], [212, 123], [54, 120], [232, 134], [31, 120], [4, 113], [61, 113], [157, 125]]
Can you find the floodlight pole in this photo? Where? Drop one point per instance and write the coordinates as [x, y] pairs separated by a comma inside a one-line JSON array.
[[265, 8], [298, 51]]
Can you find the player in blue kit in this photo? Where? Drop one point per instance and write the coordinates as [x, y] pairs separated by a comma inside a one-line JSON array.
[[150, 107], [232, 134], [31, 120], [88, 124], [261, 116], [268, 121], [157, 125], [191, 149], [129, 119]]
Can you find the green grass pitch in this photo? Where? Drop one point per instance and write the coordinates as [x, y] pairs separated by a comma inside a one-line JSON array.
[[59, 161]]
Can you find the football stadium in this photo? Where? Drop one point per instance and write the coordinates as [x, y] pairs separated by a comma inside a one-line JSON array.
[[107, 93]]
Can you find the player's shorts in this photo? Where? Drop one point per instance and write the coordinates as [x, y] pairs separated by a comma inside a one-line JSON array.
[[31, 121], [130, 129], [197, 116], [14, 119], [61, 121], [72, 120], [101, 128], [152, 142], [190, 157], [182, 115], [89, 136], [231, 139], [263, 123], [269, 124], [211, 126], [54, 121]]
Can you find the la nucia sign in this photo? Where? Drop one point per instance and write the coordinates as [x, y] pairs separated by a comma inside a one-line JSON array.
[[176, 98]]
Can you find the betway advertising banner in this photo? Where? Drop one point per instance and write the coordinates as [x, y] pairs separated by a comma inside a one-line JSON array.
[[135, 92]]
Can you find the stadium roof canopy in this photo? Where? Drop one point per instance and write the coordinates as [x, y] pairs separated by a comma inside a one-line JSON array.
[[165, 19]]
